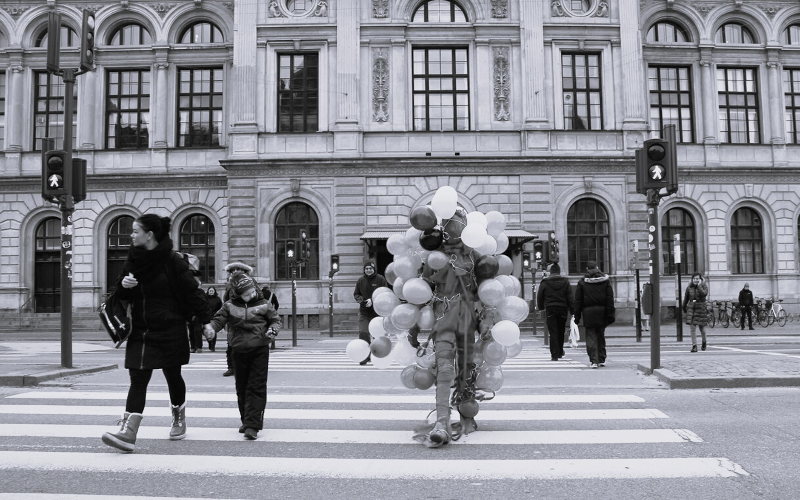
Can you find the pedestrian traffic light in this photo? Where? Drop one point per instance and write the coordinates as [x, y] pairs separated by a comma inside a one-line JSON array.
[[539, 252], [87, 41], [53, 41], [334, 264], [290, 250], [305, 245], [526, 260], [78, 180], [552, 250], [56, 173], [656, 165]]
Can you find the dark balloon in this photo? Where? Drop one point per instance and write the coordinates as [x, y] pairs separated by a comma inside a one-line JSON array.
[[431, 239], [423, 218], [486, 267], [468, 409]]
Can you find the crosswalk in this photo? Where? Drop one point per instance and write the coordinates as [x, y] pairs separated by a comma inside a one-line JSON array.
[[365, 436]]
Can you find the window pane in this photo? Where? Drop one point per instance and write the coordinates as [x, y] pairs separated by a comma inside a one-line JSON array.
[[588, 236], [441, 89]]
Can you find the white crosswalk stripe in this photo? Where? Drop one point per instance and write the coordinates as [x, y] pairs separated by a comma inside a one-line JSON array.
[[621, 421]]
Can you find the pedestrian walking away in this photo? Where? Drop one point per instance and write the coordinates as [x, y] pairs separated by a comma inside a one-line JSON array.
[[233, 269], [162, 292], [555, 297], [252, 324], [214, 305], [694, 309], [594, 303], [365, 286], [746, 303], [645, 317]]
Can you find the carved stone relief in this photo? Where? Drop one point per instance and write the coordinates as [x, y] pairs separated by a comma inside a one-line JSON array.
[[16, 11], [499, 9], [556, 10], [380, 85], [770, 10], [703, 10], [163, 8], [602, 9], [380, 8], [280, 8], [502, 86]]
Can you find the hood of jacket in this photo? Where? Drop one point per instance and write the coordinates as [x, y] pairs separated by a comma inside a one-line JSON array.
[[556, 281], [595, 276]]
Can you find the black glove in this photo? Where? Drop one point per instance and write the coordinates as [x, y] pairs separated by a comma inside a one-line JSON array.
[[412, 339]]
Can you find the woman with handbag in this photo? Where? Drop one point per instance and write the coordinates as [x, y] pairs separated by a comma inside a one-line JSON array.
[[162, 292], [694, 309]]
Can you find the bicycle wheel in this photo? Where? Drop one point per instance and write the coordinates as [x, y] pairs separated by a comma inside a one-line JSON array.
[[770, 317], [724, 320], [782, 317], [763, 319], [712, 319], [736, 316]]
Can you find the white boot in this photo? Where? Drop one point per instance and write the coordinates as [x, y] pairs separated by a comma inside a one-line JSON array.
[[125, 438], [178, 430]]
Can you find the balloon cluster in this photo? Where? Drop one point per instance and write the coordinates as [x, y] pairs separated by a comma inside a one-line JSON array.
[[410, 301]]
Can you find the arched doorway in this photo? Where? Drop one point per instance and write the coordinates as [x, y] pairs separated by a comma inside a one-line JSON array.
[[291, 220], [117, 244], [47, 266]]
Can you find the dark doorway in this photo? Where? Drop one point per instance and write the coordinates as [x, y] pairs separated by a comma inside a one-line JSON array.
[[47, 266]]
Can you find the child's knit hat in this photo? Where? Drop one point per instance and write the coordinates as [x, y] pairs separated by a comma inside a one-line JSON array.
[[242, 283]]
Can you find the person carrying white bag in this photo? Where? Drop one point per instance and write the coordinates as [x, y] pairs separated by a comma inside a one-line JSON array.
[[574, 334]]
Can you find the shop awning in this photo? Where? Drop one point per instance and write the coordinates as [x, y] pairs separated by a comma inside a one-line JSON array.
[[515, 235]]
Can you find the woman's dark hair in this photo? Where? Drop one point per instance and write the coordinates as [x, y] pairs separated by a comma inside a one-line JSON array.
[[211, 288], [698, 275], [158, 225]]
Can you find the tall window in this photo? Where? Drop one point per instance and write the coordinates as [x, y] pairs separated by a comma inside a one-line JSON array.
[[581, 84], [2, 111], [131, 34], [298, 92], [738, 105], [197, 238], [734, 33], [439, 11], [199, 107], [747, 242], [47, 267], [791, 99], [49, 116], [678, 221], [671, 100], [68, 38], [202, 32], [293, 218], [587, 236], [128, 109], [667, 32], [791, 35], [118, 241], [441, 88]]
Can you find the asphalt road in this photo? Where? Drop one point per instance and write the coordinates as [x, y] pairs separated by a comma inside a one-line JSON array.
[[337, 430]]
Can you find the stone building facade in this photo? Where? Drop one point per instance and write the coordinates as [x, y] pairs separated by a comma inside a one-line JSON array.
[[247, 121]]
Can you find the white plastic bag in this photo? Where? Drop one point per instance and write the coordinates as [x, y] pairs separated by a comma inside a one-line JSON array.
[[574, 335]]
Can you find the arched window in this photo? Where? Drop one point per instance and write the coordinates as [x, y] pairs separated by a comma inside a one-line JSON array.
[[734, 33], [289, 224], [47, 266], [667, 32], [68, 38], [197, 238], [791, 35], [439, 11], [131, 34], [118, 241], [747, 242], [202, 32], [678, 221], [587, 236]]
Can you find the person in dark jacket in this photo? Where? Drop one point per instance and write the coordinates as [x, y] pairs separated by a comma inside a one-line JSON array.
[[162, 292], [365, 286], [252, 324], [233, 269], [694, 308], [594, 302], [746, 303], [214, 304], [556, 298]]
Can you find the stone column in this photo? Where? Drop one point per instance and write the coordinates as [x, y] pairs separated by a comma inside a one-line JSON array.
[[534, 89], [243, 85], [632, 64], [262, 90], [158, 113], [776, 110], [397, 80], [709, 84], [347, 63], [88, 107], [14, 120]]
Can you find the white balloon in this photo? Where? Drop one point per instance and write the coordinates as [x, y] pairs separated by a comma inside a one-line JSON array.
[[502, 243], [357, 350], [396, 244], [496, 222], [505, 332], [477, 218], [448, 192], [489, 246], [404, 353], [473, 235], [376, 328], [412, 238], [443, 208], [382, 363]]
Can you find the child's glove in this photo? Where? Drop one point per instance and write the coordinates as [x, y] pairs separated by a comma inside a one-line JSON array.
[[271, 333], [208, 332]]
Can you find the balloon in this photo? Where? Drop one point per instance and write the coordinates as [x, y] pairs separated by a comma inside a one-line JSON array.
[[490, 378], [494, 354], [514, 349], [513, 309], [477, 352], [505, 332], [357, 350], [423, 255], [486, 267], [407, 376], [448, 192], [380, 290], [423, 379], [444, 208], [380, 347], [517, 286], [376, 328], [468, 409], [388, 273], [491, 292], [508, 284], [396, 244], [398, 288], [426, 318], [415, 259], [437, 260], [403, 353], [431, 239], [496, 223], [488, 247], [454, 227], [473, 235], [502, 243], [426, 360], [417, 291], [506, 266], [404, 268], [477, 218], [405, 316], [423, 218], [411, 239], [389, 326], [385, 303], [382, 363]]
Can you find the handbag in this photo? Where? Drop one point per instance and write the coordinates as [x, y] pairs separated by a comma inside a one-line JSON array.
[[574, 334], [115, 319]]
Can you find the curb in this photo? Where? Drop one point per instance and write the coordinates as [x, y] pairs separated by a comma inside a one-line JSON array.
[[675, 381], [28, 380]]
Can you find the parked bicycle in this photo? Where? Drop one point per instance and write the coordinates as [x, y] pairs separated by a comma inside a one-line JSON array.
[[737, 318], [775, 312], [711, 315], [722, 315]]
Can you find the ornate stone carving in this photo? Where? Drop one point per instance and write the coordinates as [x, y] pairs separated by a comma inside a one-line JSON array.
[[770, 10], [556, 10], [380, 85], [703, 10], [502, 86], [229, 6], [124, 4], [602, 9], [499, 9], [321, 10], [275, 10], [163, 8], [16, 10], [380, 8]]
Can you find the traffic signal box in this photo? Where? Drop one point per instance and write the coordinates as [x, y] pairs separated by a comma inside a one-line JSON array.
[[53, 42], [87, 41], [540, 252], [526, 260], [305, 245], [78, 180], [334, 264], [552, 250], [291, 251], [56, 174], [657, 165]]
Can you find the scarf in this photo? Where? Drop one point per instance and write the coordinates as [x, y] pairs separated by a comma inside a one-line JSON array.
[[146, 264]]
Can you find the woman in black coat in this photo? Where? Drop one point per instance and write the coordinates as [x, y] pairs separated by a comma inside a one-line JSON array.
[[214, 304], [694, 309], [162, 293]]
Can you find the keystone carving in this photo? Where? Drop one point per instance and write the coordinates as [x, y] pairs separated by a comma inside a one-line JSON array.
[[499, 9], [380, 9]]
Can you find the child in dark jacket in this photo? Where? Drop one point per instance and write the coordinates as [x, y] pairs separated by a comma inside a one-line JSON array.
[[252, 324]]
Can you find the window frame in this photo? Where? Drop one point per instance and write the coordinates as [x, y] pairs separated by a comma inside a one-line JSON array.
[[179, 137], [575, 240], [792, 111], [744, 29], [118, 31], [428, 92], [454, 7], [214, 29], [787, 35], [141, 143], [47, 113], [308, 94], [207, 252], [676, 28], [575, 90], [735, 240], [727, 107], [290, 231], [117, 244], [668, 232], [72, 38], [3, 84], [680, 132]]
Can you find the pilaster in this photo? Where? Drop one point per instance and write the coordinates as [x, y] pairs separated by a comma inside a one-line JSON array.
[[535, 90], [347, 64], [631, 62]]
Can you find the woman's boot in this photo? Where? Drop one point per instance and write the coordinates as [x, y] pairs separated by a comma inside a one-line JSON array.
[[178, 430], [125, 438]]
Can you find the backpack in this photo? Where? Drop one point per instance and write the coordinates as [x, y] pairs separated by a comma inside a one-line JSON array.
[[193, 261], [194, 266], [115, 319]]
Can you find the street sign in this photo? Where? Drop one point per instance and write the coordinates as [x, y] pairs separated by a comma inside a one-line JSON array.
[[676, 249]]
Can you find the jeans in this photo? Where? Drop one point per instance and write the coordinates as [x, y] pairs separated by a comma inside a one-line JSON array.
[[556, 325], [250, 371], [693, 328], [747, 313]]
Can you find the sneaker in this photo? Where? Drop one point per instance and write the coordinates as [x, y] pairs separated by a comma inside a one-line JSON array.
[[212, 349], [250, 433], [228, 373], [752, 328], [194, 350], [594, 365], [553, 358], [242, 428], [364, 362], [694, 348], [200, 350], [601, 365], [703, 346]]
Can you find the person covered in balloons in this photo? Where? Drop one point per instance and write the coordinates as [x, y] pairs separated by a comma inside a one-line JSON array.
[[365, 286]]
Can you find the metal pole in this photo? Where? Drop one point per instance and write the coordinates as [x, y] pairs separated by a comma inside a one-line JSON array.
[[678, 308], [655, 279], [294, 305], [67, 208], [330, 304], [532, 309], [638, 309]]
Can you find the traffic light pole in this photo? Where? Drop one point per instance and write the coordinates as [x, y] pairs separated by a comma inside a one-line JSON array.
[[654, 246], [67, 209], [330, 304], [294, 304]]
